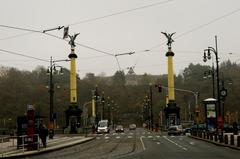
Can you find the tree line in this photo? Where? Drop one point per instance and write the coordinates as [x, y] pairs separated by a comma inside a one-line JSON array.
[[19, 88]]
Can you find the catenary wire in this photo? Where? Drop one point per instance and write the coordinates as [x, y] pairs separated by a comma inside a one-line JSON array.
[[120, 12], [19, 54]]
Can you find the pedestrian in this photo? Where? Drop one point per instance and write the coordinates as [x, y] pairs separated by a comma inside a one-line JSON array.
[[235, 128], [43, 133]]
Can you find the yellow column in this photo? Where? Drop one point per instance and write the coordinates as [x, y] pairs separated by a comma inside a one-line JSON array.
[[167, 100], [73, 79], [93, 107], [171, 95]]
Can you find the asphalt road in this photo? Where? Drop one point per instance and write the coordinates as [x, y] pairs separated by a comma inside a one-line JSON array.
[[141, 144]]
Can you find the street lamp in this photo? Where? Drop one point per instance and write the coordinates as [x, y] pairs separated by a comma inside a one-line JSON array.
[[103, 105], [210, 74], [50, 71], [151, 106], [207, 56]]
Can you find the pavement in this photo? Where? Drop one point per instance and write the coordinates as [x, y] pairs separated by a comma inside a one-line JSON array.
[[220, 144], [9, 149]]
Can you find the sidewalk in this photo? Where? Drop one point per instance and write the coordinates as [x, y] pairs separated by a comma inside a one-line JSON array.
[[8, 150], [225, 143]]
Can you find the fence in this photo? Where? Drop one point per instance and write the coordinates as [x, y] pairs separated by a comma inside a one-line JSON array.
[[24, 142]]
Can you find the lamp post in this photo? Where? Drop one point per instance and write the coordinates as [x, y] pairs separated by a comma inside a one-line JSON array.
[[50, 70], [207, 56], [103, 104], [151, 106], [108, 106], [211, 74]]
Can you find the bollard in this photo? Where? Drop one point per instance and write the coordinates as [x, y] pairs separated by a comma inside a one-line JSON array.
[[204, 135], [238, 141], [211, 137], [215, 137], [226, 139], [2, 147], [220, 138], [232, 140]]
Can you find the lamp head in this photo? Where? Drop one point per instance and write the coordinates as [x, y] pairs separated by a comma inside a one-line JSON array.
[[209, 54], [204, 57]]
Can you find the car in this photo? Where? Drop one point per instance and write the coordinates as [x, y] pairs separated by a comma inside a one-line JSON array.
[[187, 131], [103, 126], [175, 130], [132, 126], [119, 129]]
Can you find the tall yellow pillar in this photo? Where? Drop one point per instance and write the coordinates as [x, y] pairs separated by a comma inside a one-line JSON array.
[[93, 107], [73, 78], [171, 95]]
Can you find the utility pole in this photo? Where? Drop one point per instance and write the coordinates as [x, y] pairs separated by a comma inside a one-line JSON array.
[[51, 92], [103, 105], [151, 106], [208, 57], [52, 68]]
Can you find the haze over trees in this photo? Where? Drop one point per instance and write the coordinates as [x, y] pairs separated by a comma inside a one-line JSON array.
[[20, 88]]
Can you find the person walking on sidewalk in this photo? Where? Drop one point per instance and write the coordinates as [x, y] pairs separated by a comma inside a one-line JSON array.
[[43, 133]]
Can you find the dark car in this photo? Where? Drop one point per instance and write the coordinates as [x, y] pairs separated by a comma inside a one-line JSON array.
[[119, 129]]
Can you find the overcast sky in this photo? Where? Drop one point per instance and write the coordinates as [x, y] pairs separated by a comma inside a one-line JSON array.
[[195, 22]]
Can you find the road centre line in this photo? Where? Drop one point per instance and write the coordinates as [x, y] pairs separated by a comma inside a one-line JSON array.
[[141, 139], [182, 147]]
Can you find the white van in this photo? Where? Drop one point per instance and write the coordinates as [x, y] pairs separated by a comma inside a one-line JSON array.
[[103, 126]]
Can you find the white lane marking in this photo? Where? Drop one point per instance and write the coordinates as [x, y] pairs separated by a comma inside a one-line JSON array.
[[97, 138], [106, 137], [141, 139], [158, 136], [143, 133], [129, 137], [158, 143], [130, 133], [182, 147], [191, 143], [118, 137], [148, 133], [149, 136]]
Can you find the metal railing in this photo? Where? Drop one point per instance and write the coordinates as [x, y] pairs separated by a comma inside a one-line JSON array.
[[24, 142]]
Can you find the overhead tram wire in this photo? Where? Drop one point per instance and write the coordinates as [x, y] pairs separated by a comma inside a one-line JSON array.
[[201, 26], [120, 12], [118, 63], [19, 54], [191, 30], [83, 21], [37, 31]]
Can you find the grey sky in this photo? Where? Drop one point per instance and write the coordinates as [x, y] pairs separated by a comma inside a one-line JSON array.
[[137, 31]]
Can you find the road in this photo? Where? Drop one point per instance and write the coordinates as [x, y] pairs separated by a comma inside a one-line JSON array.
[[141, 144]]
